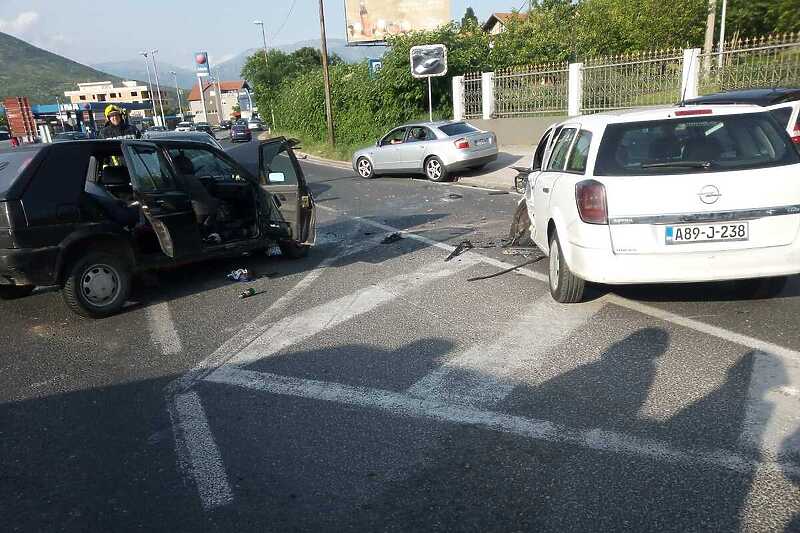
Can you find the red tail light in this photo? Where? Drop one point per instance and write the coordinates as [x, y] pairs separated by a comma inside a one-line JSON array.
[[591, 198], [462, 144], [796, 133], [692, 112]]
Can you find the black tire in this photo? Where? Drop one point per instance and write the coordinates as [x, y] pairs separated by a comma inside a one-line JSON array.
[[364, 168], [435, 170], [294, 250], [97, 284], [520, 232], [14, 292], [761, 288], [565, 287]]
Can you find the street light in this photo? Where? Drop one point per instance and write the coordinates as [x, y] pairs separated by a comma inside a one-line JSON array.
[[178, 92], [149, 83], [263, 37], [158, 86]]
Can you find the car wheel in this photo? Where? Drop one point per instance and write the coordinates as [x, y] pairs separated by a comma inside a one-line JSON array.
[[97, 285], [294, 250], [365, 169], [435, 169], [762, 288], [565, 287], [13, 292]]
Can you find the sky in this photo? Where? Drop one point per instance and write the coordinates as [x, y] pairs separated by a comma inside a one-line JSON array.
[[93, 32]]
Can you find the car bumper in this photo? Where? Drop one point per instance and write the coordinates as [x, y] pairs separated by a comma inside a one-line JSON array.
[[604, 266], [29, 266], [473, 160]]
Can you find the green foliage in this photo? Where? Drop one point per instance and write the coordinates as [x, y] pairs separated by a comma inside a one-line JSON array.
[[3, 121], [754, 18], [546, 34], [469, 20]]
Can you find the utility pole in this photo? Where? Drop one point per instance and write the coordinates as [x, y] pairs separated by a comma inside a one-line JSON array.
[[326, 75], [219, 100], [158, 86], [263, 37], [722, 31], [149, 84], [178, 92], [708, 45]]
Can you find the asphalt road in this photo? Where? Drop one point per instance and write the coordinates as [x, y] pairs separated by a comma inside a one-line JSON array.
[[371, 386]]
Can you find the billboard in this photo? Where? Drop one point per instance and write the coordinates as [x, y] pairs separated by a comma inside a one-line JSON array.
[[372, 21], [201, 64], [429, 61]]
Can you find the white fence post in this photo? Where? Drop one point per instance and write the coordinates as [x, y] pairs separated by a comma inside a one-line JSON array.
[[575, 89], [690, 81], [458, 97], [487, 94]]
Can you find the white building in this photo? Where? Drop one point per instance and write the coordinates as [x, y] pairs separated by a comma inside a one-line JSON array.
[[131, 92], [226, 99]]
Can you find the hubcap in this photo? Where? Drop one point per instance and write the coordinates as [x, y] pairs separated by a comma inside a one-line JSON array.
[[434, 169], [555, 265], [364, 168], [100, 285]]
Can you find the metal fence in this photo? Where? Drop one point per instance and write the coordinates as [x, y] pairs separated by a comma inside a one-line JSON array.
[[632, 80], [768, 61], [473, 95], [526, 91]]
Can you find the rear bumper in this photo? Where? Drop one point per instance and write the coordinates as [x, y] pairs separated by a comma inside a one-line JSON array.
[[481, 158], [29, 266], [603, 266]]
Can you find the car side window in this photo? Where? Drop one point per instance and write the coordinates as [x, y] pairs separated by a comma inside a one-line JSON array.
[[395, 137], [419, 134], [279, 163], [203, 164], [149, 169], [538, 156], [580, 153], [560, 149]]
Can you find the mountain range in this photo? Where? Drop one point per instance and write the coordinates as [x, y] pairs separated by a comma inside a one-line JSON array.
[[135, 70]]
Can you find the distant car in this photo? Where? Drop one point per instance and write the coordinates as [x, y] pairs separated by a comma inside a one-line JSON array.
[[4, 135], [184, 126], [225, 124], [197, 136], [435, 149], [783, 103], [241, 133], [255, 125], [157, 128], [69, 136], [204, 127]]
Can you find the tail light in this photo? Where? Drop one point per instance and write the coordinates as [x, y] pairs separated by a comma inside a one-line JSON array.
[[796, 133], [591, 198], [462, 144]]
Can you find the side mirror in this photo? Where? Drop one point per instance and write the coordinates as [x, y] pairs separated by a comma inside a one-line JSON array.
[[276, 177], [520, 183]]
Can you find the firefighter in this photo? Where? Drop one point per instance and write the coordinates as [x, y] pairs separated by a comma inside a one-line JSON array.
[[117, 126]]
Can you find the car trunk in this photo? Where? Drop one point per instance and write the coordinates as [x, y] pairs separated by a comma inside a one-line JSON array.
[[480, 141], [703, 212]]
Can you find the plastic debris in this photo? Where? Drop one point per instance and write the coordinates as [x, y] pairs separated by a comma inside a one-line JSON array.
[[394, 237], [241, 274], [506, 271], [521, 250], [274, 251], [460, 249], [213, 238], [247, 294]]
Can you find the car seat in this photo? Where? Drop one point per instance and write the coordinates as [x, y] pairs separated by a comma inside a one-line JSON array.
[[204, 205]]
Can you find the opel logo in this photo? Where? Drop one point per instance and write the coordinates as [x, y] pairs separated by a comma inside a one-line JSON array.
[[709, 194]]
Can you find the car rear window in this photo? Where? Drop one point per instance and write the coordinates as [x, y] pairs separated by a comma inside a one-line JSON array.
[[4, 136], [694, 145], [11, 166], [459, 128], [782, 115]]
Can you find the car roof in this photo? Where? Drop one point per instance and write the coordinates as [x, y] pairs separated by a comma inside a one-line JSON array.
[[760, 97], [429, 124]]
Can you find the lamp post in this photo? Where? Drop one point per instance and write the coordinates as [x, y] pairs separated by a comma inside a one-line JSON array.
[[178, 92], [149, 83], [158, 86]]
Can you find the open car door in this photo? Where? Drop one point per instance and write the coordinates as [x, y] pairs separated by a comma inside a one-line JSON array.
[[168, 209], [280, 174]]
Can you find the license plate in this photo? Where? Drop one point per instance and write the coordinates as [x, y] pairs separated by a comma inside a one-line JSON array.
[[691, 233], [481, 142]]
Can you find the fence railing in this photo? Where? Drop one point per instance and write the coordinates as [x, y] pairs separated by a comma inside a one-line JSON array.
[[768, 61], [620, 82], [635, 80], [528, 91]]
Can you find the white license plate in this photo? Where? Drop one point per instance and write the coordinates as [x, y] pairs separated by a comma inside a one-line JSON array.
[[690, 233], [481, 142]]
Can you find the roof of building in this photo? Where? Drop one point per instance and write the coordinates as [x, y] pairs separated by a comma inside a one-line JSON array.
[[761, 97], [502, 18], [225, 86]]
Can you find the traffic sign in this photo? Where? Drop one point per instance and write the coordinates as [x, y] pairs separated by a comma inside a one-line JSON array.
[[429, 61]]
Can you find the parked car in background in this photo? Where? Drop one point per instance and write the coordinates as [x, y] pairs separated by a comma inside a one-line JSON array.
[[255, 124], [241, 133], [157, 128], [69, 136], [225, 124], [205, 127], [783, 103], [87, 216], [196, 136], [435, 149], [184, 126], [669, 195]]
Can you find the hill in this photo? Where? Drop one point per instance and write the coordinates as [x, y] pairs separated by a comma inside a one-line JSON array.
[[135, 70], [38, 74]]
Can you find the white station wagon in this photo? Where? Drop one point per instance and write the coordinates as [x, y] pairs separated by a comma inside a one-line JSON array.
[[670, 195]]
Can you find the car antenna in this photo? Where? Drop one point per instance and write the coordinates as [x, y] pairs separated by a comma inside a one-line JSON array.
[[682, 103]]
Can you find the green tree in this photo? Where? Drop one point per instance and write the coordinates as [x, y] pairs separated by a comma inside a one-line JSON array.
[[754, 18], [469, 19], [546, 34], [3, 121]]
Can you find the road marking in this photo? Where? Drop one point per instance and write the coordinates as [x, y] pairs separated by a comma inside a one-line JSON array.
[[162, 329], [484, 375], [294, 329], [404, 405], [198, 454]]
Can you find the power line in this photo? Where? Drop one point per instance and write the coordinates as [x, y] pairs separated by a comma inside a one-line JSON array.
[[291, 9]]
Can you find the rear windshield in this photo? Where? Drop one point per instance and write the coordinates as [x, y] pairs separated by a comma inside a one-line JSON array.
[[782, 115], [460, 128], [11, 166], [694, 145]]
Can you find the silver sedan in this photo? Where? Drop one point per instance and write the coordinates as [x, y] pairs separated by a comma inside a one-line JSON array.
[[435, 149]]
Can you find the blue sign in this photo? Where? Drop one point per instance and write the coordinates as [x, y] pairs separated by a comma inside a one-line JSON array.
[[201, 64]]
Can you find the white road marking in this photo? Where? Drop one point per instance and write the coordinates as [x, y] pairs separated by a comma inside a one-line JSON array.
[[162, 329], [198, 454], [401, 404], [484, 375], [294, 329]]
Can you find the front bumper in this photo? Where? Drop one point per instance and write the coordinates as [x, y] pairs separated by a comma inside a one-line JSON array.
[[29, 266]]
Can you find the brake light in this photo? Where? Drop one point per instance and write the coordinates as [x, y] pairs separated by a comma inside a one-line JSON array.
[[691, 112], [796, 133], [462, 144], [591, 198]]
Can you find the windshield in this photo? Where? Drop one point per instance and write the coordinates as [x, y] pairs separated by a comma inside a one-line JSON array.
[[694, 145], [460, 128]]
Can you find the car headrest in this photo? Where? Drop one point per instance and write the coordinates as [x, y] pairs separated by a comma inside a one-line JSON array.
[[116, 175], [183, 164]]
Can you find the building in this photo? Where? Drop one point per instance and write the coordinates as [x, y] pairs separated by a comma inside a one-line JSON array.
[[231, 94], [131, 92], [497, 22]]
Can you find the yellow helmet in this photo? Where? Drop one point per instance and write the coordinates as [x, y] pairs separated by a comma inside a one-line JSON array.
[[111, 108]]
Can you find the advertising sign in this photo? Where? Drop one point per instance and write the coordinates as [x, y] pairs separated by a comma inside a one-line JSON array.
[[201, 64], [372, 21], [429, 61]]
